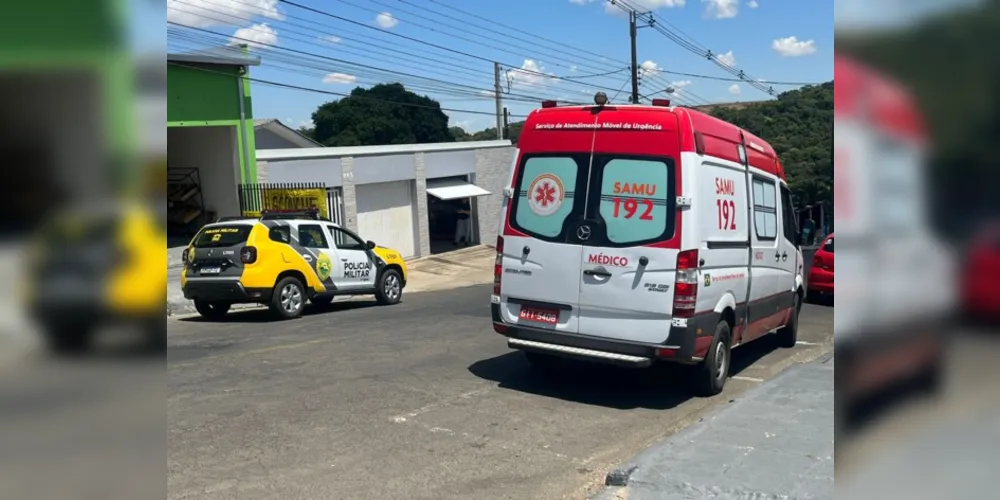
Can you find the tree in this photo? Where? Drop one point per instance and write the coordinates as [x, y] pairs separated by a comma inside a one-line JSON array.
[[799, 126], [382, 114]]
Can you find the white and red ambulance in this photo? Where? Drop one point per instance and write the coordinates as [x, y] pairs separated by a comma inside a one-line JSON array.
[[636, 234]]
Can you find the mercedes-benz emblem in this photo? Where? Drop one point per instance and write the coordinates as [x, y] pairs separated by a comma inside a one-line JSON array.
[[583, 232]]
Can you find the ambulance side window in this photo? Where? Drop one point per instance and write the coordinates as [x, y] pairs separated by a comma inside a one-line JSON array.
[[765, 209], [788, 222]]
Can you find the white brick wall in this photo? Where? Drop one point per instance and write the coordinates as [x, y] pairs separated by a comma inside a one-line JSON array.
[[350, 197], [423, 228], [492, 170]]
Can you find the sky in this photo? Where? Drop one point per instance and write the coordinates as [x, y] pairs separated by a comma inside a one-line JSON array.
[[315, 51]]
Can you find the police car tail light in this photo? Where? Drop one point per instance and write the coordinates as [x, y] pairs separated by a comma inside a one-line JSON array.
[[248, 255], [185, 254], [686, 284], [498, 266]]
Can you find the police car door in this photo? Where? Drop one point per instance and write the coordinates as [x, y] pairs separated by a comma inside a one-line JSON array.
[[356, 269], [316, 249]]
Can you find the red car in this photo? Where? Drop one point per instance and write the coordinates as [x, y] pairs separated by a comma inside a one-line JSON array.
[[981, 277], [820, 283]]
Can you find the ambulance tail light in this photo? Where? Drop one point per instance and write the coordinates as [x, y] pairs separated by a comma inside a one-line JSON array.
[[686, 284], [549, 104], [248, 255], [661, 102], [498, 267]]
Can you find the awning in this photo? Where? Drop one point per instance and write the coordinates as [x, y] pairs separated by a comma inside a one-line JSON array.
[[453, 189]]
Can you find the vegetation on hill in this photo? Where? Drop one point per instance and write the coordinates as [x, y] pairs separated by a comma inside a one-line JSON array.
[[799, 125]]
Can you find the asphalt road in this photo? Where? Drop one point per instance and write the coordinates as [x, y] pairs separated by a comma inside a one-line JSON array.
[[413, 401]]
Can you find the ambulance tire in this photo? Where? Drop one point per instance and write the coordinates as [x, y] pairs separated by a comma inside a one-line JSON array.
[[389, 288], [788, 335], [288, 299], [66, 339], [212, 310], [711, 374]]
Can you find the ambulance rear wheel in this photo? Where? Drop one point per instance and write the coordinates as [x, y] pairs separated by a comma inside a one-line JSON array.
[[711, 374]]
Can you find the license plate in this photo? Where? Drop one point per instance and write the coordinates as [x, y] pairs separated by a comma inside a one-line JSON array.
[[211, 270], [546, 316]]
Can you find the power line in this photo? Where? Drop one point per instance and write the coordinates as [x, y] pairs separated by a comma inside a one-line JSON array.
[[724, 79], [338, 94], [691, 45]]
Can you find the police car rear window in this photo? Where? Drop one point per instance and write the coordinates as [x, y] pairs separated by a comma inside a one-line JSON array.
[[222, 236]]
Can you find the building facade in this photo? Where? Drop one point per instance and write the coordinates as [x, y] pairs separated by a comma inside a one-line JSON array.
[[210, 136], [403, 196]]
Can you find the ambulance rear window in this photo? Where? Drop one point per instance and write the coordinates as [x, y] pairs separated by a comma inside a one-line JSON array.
[[828, 246], [222, 236], [628, 200]]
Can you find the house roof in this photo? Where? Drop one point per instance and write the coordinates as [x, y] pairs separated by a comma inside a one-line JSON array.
[[287, 133], [228, 55], [392, 149]]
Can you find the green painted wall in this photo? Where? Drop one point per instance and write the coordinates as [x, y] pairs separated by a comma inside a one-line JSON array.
[[208, 95], [78, 27], [203, 92]]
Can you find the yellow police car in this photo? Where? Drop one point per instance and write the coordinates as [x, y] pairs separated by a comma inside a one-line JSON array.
[[282, 260]]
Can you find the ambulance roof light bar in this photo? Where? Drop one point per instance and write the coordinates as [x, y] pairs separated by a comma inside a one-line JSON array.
[[549, 104]]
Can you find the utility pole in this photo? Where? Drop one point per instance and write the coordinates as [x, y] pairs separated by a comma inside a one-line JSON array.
[[499, 98], [632, 29], [506, 124]]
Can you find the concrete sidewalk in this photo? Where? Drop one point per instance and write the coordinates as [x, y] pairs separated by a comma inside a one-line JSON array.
[[463, 267], [776, 441]]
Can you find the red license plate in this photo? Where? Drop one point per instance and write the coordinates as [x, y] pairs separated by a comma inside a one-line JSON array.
[[547, 316]]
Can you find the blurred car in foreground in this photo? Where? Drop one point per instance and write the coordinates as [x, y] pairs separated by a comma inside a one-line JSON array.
[[820, 284], [97, 266], [980, 286], [897, 281]]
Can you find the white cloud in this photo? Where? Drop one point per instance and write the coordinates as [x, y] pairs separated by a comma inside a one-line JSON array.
[[573, 68], [386, 21], [339, 79], [205, 13], [330, 38], [734, 89], [305, 124], [728, 59], [649, 68], [641, 5], [257, 36], [791, 46], [465, 125], [753, 4], [721, 9], [530, 73]]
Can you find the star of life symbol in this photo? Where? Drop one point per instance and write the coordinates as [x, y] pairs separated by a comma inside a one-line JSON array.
[[546, 194]]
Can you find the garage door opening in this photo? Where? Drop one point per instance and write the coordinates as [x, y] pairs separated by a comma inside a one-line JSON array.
[[452, 214], [202, 175]]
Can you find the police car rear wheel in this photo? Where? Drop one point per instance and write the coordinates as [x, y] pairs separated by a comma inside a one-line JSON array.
[[212, 310], [288, 299], [390, 287]]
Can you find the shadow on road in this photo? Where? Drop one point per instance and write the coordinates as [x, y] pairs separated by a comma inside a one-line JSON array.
[[265, 316], [660, 387]]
